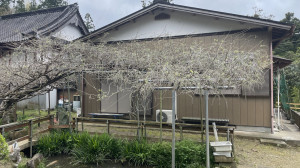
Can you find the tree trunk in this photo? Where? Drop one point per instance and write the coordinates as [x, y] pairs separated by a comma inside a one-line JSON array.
[[7, 111]]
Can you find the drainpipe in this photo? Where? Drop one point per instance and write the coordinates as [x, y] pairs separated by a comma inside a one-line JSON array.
[[271, 80]]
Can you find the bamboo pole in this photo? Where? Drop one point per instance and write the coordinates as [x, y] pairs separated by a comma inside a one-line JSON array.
[[69, 107], [39, 109], [160, 115], [174, 109], [49, 102], [207, 130]]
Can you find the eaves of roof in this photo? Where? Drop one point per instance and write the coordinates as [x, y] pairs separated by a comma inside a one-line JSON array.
[[23, 26], [192, 10]]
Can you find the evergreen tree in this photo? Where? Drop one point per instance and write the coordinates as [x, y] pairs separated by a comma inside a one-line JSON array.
[[146, 3], [89, 22], [45, 4], [291, 44], [290, 48], [20, 6], [33, 5], [4, 7]]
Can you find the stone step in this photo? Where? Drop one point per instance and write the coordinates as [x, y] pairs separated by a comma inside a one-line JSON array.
[[273, 142]]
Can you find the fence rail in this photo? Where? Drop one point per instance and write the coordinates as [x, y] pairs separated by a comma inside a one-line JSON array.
[[181, 127], [26, 123], [296, 117]]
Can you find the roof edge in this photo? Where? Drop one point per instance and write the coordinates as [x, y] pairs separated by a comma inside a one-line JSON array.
[[194, 10]]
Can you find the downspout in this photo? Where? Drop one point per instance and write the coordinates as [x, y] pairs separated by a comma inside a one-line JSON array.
[[271, 81]]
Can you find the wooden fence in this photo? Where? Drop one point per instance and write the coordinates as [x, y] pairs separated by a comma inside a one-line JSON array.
[[228, 131], [296, 117], [26, 123]]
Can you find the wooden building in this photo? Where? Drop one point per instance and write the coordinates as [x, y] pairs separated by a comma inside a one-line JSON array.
[[241, 107]]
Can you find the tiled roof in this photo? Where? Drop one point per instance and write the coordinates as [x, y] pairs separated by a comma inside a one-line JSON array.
[[21, 26]]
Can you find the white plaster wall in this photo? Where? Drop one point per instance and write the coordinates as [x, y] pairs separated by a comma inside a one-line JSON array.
[[180, 23], [53, 99], [69, 33]]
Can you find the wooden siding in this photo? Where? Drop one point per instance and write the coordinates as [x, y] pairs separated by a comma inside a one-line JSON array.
[[240, 110], [90, 99], [252, 110]]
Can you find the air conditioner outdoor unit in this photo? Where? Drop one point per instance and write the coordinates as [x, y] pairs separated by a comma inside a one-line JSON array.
[[166, 116]]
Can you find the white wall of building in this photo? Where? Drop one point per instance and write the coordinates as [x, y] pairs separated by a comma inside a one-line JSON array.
[[53, 99], [180, 23], [69, 33]]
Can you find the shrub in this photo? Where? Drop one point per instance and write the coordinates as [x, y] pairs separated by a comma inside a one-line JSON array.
[[56, 143], [136, 153], [189, 152], [3, 148], [95, 149], [160, 155]]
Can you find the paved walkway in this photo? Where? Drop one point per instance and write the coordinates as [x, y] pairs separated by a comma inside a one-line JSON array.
[[290, 134]]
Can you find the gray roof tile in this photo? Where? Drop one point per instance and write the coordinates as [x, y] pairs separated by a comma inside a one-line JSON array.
[[21, 26]]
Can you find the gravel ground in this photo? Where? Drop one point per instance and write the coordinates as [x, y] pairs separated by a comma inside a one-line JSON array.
[[252, 154]]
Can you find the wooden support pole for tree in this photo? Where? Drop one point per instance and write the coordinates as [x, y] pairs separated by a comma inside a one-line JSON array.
[[76, 122], [174, 109], [69, 105], [107, 125], [30, 136], [202, 132], [207, 130], [39, 109], [160, 115], [51, 120], [181, 133], [49, 102]]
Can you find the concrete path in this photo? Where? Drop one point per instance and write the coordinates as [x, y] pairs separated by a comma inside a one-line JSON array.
[[290, 134]]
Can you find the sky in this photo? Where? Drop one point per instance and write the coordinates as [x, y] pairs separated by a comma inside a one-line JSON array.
[[104, 12]]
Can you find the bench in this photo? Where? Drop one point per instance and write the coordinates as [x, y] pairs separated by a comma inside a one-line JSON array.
[[106, 115], [195, 120]]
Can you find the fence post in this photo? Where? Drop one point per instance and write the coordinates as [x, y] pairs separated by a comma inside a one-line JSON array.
[[51, 120], [145, 131], [181, 133], [228, 134], [232, 142], [107, 123], [30, 137], [81, 125], [76, 121]]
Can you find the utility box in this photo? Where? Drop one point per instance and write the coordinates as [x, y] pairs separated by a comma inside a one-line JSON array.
[[76, 102]]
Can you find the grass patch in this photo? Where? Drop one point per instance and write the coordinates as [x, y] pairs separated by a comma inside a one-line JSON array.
[[29, 114]]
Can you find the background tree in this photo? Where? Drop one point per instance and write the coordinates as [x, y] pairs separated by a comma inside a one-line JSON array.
[[146, 3], [33, 5], [45, 4], [4, 7], [20, 6], [259, 13], [290, 48], [135, 67], [88, 21]]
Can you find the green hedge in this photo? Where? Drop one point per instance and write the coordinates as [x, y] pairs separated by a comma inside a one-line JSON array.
[[94, 149]]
